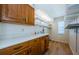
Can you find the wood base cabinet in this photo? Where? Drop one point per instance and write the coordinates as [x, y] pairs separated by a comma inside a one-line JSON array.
[[36, 46], [25, 51], [46, 43]]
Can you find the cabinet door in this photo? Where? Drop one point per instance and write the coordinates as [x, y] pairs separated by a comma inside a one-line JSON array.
[[16, 13], [46, 43], [42, 45], [9, 13], [33, 50], [19, 13], [12, 10], [27, 51], [39, 46], [35, 47], [31, 15], [78, 41], [72, 40], [23, 13], [0, 11]]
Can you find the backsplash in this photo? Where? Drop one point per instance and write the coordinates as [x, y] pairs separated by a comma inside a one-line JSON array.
[[16, 31]]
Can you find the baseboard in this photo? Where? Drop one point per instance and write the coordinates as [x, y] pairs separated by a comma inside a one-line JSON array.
[[60, 41]]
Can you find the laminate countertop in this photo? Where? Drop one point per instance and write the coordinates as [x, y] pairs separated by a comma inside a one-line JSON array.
[[4, 43]]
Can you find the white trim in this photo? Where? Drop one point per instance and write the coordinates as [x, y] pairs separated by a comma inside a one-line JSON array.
[[61, 41]]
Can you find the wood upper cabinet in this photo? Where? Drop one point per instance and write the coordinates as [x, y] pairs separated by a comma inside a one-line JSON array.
[[9, 13], [31, 15], [0, 12], [22, 13], [18, 13]]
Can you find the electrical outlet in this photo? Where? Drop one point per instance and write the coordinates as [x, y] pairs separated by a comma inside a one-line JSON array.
[[22, 29]]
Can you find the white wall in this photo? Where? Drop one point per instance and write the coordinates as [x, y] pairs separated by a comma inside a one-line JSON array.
[[58, 37], [59, 10], [17, 31], [52, 10]]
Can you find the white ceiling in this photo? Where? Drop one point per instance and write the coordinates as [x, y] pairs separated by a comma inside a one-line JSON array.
[[52, 10]]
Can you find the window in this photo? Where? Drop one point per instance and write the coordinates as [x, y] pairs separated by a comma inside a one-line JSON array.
[[61, 27]]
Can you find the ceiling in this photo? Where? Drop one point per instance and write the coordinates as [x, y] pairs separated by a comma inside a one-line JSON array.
[[52, 10]]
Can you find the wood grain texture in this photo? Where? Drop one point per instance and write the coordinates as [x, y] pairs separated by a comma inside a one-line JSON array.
[[58, 48], [36, 46], [17, 14]]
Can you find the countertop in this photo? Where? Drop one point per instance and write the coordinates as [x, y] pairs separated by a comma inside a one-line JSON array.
[[10, 42]]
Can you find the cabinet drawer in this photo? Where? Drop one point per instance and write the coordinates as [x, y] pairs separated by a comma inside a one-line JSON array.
[[24, 51]]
